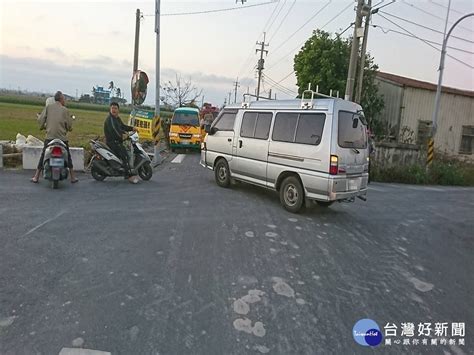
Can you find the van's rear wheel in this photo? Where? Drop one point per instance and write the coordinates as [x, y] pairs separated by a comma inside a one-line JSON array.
[[292, 194], [222, 173]]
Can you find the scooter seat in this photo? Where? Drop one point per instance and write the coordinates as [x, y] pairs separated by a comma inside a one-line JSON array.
[[103, 145]]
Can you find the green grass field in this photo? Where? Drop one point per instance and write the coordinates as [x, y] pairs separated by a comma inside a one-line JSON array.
[[21, 118]]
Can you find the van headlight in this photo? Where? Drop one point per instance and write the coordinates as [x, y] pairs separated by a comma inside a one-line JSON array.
[[196, 136], [173, 134]]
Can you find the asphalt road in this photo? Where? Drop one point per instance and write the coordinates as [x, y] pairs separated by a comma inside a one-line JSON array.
[[178, 265]]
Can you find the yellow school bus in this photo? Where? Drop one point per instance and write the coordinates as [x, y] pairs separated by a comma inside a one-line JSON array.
[[185, 129]]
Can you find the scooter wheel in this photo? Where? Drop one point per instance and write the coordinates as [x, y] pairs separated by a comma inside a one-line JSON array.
[[97, 174], [55, 184], [145, 172]]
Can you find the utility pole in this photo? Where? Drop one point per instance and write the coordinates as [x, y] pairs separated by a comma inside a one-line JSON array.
[[230, 93], [261, 62], [438, 89], [137, 39], [367, 10], [157, 119], [354, 52], [270, 94], [237, 85]]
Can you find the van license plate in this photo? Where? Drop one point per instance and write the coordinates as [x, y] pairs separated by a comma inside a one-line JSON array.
[[185, 141], [56, 162], [354, 185]]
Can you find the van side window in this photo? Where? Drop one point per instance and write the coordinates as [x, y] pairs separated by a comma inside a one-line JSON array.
[[304, 128], [351, 134], [256, 125], [226, 121], [248, 124], [285, 126], [310, 128], [262, 129]]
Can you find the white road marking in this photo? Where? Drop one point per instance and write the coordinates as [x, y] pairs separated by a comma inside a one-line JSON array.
[[71, 351], [42, 224], [179, 159]]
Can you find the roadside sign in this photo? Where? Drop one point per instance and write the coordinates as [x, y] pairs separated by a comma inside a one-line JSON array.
[[142, 120]]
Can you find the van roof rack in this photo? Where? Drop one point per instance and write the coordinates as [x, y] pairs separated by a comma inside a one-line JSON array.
[[247, 99], [308, 103]]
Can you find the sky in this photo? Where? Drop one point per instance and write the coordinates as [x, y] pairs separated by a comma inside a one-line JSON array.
[[74, 45]]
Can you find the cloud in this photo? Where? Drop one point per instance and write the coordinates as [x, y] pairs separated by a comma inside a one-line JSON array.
[[48, 76], [56, 51], [99, 60]]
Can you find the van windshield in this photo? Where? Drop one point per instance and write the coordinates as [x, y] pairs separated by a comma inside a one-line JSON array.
[[185, 118], [352, 130]]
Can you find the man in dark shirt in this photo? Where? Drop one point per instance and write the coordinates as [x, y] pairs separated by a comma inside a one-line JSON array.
[[114, 129]]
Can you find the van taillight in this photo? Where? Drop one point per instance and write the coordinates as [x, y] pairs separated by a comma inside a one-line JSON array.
[[333, 165], [56, 152]]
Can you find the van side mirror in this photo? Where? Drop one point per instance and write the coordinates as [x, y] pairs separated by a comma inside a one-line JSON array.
[[210, 130]]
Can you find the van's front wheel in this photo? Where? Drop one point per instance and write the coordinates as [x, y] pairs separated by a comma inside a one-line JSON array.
[[291, 194], [222, 174]]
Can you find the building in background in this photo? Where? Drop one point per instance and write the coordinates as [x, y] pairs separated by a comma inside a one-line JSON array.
[[101, 96], [407, 115]]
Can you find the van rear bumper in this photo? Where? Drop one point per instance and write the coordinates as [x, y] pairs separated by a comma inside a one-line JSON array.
[[348, 187], [335, 196]]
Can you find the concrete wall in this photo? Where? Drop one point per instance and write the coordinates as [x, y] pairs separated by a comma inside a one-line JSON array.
[[396, 154], [31, 157]]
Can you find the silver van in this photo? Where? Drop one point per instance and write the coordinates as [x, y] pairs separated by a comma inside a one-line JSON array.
[[305, 149]]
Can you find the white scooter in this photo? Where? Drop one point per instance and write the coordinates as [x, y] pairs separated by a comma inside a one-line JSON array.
[[55, 162], [105, 163]]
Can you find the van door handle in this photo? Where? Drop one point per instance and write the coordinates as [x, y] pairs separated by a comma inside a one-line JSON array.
[[240, 144], [229, 139]]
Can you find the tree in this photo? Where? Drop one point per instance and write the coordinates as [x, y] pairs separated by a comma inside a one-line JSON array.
[[179, 93], [324, 61], [111, 88], [118, 92]]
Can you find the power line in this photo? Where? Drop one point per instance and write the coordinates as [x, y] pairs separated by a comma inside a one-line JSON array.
[[387, 30], [285, 77], [282, 79], [450, 56], [283, 20], [304, 24], [215, 10], [271, 16], [249, 58], [340, 34], [281, 87], [433, 15], [275, 84], [281, 8], [419, 25], [445, 7], [299, 46]]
